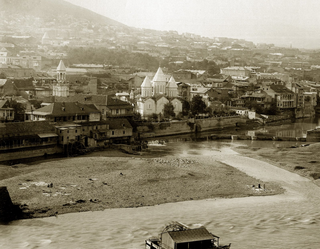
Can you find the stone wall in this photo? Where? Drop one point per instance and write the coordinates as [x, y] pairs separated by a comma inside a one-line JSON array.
[[28, 153], [196, 125], [313, 135]]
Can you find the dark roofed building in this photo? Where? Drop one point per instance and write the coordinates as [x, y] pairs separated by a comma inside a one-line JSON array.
[[199, 238], [120, 130], [27, 139], [65, 112], [109, 106]]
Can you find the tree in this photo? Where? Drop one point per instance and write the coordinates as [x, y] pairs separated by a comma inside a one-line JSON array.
[[168, 110], [35, 103], [2, 76], [185, 108], [18, 107], [197, 105]]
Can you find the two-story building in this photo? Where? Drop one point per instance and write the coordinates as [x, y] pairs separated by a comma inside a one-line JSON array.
[[109, 106], [65, 112], [25, 139]]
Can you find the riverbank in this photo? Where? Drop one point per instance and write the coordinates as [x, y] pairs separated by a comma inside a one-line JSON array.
[[300, 159], [111, 179]]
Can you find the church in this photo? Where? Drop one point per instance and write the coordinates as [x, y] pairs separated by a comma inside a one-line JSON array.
[[156, 93], [61, 88]]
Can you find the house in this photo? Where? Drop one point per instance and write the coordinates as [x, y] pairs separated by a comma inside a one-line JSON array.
[[184, 90], [109, 106], [65, 112], [88, 134], [260, 97], [225, 82], [120, 130], [284, 97], [6, 112], [24, 139], [235, 71]]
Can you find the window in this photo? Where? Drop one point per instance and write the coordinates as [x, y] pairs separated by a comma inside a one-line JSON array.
[[124, 132], [76, 131], [112, 132]]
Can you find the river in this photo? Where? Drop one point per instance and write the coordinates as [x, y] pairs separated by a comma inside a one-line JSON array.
[[289, 220]]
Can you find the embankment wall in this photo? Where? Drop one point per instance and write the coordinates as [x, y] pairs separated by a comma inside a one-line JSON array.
[[196, 125], [23, 153]]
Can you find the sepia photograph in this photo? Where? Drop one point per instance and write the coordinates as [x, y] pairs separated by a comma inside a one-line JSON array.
[[159, 124]]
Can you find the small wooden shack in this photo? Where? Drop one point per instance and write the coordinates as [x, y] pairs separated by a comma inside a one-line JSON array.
[[179, 236], [198, 238]]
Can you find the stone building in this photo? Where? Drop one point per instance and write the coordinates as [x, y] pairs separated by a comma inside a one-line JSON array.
[[156, 93]]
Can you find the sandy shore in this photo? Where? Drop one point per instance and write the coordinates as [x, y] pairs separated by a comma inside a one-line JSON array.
[[110, 179]]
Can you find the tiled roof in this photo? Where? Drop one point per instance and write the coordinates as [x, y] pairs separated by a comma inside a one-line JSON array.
[[118, 123], [84, 99], [3, 103], [115, 102], [23, 83], [26, 128], [191, 235], [66, 108], [280, 89]]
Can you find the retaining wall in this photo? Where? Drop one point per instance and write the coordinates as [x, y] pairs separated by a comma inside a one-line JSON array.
[[196, 125], [28, 153]]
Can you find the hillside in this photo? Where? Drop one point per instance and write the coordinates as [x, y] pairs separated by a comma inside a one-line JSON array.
[[50, 9]]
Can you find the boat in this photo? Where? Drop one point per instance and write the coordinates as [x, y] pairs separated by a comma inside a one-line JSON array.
[[177, 235]]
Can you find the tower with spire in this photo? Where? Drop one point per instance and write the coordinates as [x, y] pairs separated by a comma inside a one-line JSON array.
[[61, 88]]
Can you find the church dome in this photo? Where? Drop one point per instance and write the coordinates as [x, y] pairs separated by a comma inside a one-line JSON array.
[[146, 83], [159, 76], [172, 83]]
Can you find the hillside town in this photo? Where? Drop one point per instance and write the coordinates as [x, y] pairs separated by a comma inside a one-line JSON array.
[[73, 85]]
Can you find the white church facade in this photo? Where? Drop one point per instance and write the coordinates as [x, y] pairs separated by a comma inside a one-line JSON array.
[[156, 93]]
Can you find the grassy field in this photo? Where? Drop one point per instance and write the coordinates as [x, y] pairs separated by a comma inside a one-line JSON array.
[[115, 180]]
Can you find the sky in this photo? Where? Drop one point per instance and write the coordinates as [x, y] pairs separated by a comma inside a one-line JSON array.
[[282, 22]]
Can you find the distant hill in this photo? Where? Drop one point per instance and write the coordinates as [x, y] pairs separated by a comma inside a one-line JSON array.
[[49, 9]]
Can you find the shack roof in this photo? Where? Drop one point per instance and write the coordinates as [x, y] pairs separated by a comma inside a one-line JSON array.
[[191, 235]]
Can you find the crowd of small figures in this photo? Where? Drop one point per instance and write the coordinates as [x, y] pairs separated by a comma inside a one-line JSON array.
[[176, 162]]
